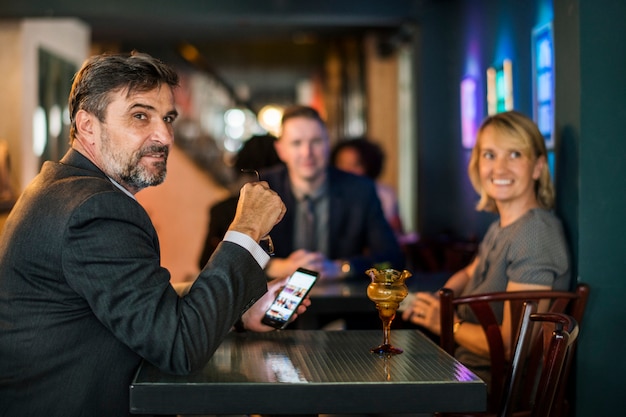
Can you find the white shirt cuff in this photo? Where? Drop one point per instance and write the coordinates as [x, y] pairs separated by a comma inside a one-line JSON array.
[[250, 245]]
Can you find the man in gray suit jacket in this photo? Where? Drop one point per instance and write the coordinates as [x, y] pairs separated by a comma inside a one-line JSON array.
[[83, 297], [350, 233]]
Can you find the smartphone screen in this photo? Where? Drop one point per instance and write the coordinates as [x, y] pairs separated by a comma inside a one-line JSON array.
[[290, 297]]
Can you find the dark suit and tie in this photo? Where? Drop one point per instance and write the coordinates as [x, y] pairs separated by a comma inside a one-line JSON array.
[[357, 229], [83, 297]]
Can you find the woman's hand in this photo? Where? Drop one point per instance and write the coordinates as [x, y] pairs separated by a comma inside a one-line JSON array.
[[252, 317], [424, 312]]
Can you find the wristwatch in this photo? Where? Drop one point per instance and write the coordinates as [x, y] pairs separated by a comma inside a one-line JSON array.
[[456, 326], [346, 269]]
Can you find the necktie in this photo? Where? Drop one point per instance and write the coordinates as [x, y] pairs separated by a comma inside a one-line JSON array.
[[308, 223]]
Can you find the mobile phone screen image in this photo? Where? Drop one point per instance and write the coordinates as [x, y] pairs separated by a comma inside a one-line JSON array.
[[290, 297]]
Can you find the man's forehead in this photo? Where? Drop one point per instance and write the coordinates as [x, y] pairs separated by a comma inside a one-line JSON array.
[[130, 98], [303, 127], [129, 93]]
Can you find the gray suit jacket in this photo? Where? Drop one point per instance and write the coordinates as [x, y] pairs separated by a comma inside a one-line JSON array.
[[83, 297], [358, 230]]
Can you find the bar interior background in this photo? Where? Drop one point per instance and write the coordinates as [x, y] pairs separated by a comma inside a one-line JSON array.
[[391, 69]]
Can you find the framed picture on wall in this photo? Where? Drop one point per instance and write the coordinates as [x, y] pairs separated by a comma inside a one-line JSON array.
[[51, 124], [500, 88], [7, 195], [543, 81]]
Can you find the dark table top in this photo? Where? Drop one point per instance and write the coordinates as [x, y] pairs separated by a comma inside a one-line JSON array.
[[312, 372], [352, 296], [333, 300]]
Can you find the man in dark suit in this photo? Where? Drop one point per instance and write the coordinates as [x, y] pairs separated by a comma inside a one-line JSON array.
[[83, 297], [349, 233]]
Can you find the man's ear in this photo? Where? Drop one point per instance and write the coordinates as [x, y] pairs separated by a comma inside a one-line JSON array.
[[85, 127]]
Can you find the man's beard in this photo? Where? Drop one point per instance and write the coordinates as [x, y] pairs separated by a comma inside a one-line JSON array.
[[128, 170]]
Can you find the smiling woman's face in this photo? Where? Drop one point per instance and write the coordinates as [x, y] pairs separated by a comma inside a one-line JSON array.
[[506, 173]]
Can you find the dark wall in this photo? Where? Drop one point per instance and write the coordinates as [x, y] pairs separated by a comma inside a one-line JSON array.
[[462, 38], [602, 198], [439, 161], [590, 149]]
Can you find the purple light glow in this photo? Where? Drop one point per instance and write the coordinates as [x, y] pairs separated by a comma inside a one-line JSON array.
[[472, 62], [469, 112], [464, 374]]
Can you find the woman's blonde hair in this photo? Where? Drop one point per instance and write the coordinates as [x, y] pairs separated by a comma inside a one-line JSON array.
[[526, 135]]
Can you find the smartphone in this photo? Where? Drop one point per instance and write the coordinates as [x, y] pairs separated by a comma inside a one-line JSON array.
[[286, 303]]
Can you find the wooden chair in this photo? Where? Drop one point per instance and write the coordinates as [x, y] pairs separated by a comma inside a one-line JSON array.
[[502, 385], [561, 344], [524, 335]]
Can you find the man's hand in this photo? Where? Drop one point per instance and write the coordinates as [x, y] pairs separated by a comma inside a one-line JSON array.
[[252, 318], [259, 209], [283, 267], [315, 261]]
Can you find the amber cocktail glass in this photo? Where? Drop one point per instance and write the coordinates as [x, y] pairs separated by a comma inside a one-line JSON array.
[[387, 290]]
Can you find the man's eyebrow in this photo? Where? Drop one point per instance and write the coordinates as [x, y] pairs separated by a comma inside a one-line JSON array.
[[141, 105], [133, 106]]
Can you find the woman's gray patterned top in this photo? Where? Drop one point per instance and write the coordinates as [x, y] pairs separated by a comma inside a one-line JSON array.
[[531, 250]]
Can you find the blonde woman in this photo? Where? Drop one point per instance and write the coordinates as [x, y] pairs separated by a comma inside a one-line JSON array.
[[525, 249]]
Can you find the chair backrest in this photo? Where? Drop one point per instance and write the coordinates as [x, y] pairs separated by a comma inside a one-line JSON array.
[[572, 303], [561, 343], [518, 359]]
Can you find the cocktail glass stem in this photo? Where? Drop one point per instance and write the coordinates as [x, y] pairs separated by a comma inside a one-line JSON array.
[[386, 347], [386, 330]]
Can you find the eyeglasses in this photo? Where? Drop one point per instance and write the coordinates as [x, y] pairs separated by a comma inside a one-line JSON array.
[[266, 241]]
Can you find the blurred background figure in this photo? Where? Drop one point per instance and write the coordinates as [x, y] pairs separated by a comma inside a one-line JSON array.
[[257, 153], [361, 156], [334, 222]]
